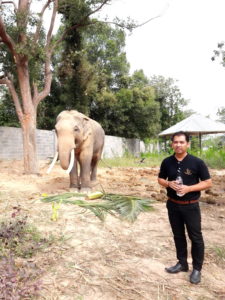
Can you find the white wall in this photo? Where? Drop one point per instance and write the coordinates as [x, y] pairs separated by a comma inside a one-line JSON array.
[[11, 144]]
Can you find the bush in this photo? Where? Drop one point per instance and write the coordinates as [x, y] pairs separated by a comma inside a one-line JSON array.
[[18, 238], [16, 282]]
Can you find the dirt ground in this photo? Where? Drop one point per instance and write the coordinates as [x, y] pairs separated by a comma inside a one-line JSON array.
[[115, 260]]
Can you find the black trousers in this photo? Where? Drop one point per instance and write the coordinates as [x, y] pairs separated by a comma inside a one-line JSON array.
[[187, 216]]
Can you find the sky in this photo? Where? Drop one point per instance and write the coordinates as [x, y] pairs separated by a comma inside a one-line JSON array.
[[179, 44]]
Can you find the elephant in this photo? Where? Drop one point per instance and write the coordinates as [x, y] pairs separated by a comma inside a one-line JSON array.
[[80, 140]]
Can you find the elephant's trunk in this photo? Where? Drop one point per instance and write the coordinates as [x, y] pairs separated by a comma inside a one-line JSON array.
[[64, 158], [65, 154]]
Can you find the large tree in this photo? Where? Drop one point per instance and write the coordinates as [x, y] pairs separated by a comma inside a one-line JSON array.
[[170, 99], [105, 48], [26, 54], [131, 111], [89, 62]]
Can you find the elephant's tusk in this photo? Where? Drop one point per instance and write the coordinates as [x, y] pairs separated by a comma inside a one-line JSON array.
[[71, 162], [53, 162]]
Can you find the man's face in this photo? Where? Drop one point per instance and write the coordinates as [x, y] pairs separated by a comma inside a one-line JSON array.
[[179, 144]]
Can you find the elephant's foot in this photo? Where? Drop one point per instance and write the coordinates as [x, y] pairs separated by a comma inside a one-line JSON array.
[[94, 183], [85, 190], [74, 184], [75, 187], [74, 190]]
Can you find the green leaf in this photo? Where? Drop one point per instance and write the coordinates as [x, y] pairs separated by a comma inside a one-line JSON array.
[[122, 206]]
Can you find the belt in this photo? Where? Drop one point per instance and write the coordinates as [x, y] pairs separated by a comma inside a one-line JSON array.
[[182, 202]]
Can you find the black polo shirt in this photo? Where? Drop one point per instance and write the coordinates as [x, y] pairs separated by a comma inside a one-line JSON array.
[[192, 170]]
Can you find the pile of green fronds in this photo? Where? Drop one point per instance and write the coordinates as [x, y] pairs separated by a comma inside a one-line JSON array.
[[125, 207]]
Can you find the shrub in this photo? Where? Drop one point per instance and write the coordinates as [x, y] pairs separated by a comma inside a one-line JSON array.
[[18, 283], [19, 238]]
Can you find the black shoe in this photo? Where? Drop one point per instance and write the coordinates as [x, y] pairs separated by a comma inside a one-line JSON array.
[[177, 268], [195, 276]]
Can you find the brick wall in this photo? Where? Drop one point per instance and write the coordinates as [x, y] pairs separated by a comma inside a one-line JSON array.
[[11, 144]]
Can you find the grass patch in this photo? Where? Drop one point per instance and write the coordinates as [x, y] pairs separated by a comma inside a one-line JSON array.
[[220, 253], [213, 157], [145, 160]]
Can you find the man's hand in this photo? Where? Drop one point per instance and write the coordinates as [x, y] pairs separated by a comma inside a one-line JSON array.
[[179, 188], [184, 189]]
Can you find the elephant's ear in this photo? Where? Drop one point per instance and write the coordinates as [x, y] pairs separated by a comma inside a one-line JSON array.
[[87, 128]]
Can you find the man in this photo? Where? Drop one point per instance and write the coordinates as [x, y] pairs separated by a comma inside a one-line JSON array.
[[183, 210]]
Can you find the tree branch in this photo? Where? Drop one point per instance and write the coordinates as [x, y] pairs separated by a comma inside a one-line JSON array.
[[128, 26], [54, 12], [6, 39], [48, 73], [97, 9], [48, 80], [10, 85], [37, 33], [149, 20], [23, 10], [11, 2], [81, 24]]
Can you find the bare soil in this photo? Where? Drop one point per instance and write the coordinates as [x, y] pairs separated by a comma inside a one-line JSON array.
[[115, 260]]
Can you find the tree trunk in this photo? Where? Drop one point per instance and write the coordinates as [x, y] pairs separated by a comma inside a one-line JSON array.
[[29, 145], [27, 120]]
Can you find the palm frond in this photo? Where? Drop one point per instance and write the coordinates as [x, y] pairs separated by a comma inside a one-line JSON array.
[[63, 197], [125, 207], [129, 207]]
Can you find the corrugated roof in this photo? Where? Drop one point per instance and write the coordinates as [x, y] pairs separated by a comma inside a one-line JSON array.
[[195, 124]]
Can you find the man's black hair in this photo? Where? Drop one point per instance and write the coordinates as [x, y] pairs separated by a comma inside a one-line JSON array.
[[179, 133]]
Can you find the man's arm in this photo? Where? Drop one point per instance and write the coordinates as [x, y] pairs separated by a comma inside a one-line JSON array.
[[184, 189], [163, 182], [202, 185], [166, 183]]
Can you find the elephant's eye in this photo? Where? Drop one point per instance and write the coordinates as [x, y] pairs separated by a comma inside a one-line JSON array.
[[76, 128]]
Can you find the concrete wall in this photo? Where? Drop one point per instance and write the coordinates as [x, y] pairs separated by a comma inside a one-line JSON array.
[[152, 148], [117, 146], [11, 144]]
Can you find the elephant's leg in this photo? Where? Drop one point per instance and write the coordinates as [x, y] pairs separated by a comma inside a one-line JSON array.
[[85, 169], [94, 165], [74, 179]]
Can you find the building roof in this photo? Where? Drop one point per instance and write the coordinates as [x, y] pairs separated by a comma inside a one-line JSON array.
[[196, 124]]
